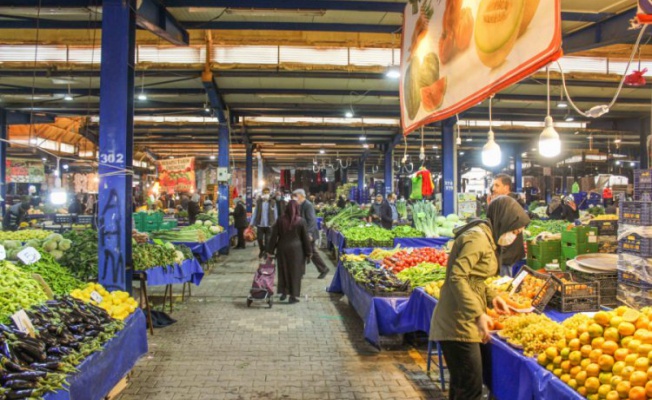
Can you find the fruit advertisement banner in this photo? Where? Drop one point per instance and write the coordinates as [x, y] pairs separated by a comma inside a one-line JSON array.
[[176, 175], [25, 171], [456, 53], [644, 14]]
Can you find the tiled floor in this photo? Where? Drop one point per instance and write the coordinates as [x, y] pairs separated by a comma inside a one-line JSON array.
[[220, 349]]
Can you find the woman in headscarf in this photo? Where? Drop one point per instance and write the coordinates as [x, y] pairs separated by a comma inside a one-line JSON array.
[[293, 249], [555, 209], [569, 209], [193, 208], [460, 322]]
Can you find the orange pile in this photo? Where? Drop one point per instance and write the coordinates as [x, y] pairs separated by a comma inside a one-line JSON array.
[[608, 357]]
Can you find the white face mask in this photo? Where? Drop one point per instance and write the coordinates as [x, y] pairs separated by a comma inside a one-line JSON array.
[[265, 197], [506, 239]]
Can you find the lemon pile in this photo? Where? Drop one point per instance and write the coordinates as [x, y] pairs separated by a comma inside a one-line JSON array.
[[434, 288], [118, 304]]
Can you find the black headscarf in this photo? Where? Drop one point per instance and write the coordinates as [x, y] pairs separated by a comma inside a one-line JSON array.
[[504, 214]]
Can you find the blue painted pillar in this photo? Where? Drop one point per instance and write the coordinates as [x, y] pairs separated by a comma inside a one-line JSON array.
[[361, 167], [223, 162], [389, 172], [448, 155], [249, 171], [518, 171], [116, 143], [3, 159]]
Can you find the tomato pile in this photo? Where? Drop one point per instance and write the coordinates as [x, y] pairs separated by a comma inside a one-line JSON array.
[[405, 259]]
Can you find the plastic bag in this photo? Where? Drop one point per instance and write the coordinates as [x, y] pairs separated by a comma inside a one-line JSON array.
[[250, 234]]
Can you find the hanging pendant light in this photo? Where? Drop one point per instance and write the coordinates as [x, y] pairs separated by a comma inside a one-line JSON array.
[[549, 143], [491, 154]]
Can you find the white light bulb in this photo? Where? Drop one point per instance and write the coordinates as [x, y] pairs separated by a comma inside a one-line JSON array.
[[549, 143], [393, 73], [142, 96], [491, 154], [348, 114]]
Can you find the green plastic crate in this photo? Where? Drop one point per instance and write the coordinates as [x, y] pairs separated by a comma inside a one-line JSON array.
[[544, 251], [580, 234], [572, 250]]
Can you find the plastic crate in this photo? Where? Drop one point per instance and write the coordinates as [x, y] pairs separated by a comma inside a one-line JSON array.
[[382, 243], [634, 295], [350, 243], [634, 269], [636, 244], [543, 296], [608, 281], [643, 179], [605, 227], [544, 250], [643, 194], [578, 304], [571, 250], [636, 212], [609, 301], [580, 234]]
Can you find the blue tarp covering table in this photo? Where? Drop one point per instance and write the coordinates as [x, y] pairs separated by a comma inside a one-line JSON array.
[[320, 222], [206, 250], [188, 271], [101, 371], [421, 242]]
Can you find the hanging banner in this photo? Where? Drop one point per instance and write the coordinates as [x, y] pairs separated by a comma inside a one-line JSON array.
[[644, 14], [456, 53], [176, 175], [25, 171]]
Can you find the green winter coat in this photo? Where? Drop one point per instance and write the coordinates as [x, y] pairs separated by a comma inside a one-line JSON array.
[[464, 295]]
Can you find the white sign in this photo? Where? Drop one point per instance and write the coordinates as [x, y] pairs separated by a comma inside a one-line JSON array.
[[29, 255], [23, 322], [96, 297], [517, 281], [3, 253]]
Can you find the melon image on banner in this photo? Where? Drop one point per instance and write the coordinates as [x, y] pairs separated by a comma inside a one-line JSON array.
[[456, 53]]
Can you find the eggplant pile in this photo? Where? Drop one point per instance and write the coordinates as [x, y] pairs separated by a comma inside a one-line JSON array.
[[378, 280], [67, 331]]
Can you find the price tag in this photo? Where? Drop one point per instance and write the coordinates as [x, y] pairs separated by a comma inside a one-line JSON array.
[[29, 255], [3, 253], [23, 323], [517, 281], [593, 239], [502, 281], [96, 297]]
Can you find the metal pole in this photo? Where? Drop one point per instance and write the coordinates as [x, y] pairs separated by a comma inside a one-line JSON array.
[[389, 171], [448, 155], [518, 171], [361, 167], [116, 143], [223, 162], [3, 159]]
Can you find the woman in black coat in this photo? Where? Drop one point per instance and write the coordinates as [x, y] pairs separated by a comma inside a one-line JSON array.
[[292, 245], [193, 209], [240, 221]]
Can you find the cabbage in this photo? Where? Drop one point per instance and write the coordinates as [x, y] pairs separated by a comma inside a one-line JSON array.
[[49, 245], [56, 254], [440, 220], [215, 229], [11, 244], [33, 243], [208, 223], [65, 244], [452, 217], [55, 237], [448, 225], [199, 223]]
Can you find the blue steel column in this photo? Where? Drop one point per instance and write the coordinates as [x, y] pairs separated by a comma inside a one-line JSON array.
[[448, 166], [389, 172], [361, 166], [3, 159], [249, 170], [518, 171], [223, 162], [116, 143]]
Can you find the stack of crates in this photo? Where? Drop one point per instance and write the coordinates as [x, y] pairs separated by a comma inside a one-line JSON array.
[[579, 240], [539, 254], [146, 222], [635, 251], [167, 224]]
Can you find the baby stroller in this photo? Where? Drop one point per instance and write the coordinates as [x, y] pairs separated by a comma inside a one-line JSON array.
[[262, 289]]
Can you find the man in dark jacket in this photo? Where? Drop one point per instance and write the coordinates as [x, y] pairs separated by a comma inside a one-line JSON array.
[[380, 212], [308, 214], [263, 218], [16, 214], [280, 204], [240, 221]]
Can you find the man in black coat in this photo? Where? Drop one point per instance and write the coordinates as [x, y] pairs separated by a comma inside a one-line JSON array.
[[380, 212], [16, 214], [308, 214], [263, 218], [280, 204], [240, 221]]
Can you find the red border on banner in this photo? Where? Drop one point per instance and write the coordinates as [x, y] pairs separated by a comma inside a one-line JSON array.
[[550, 54], [644, 18]]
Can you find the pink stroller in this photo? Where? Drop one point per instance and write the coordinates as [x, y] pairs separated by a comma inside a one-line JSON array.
[[262, 288]]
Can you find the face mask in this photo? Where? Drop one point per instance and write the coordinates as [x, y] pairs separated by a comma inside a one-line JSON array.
[[506, 239], [265, 197], [278, 198]]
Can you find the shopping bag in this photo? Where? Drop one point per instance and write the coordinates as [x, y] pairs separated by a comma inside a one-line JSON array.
[[250, 234]]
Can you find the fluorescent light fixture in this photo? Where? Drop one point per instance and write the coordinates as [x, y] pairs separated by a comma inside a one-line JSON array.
[[434, 146], [44, 159], [617, 141], [524, 124], [569, 118], [142, 96], [491, 154], [318, 144], [263, 12], [631, 164], [65, 166], [366, 145], [349, 114], [67, 97], [437, 156], [617, 163], [562, 104], [280, 96], [322, 151], [523, 154], [461, 153], [58, 196], [212, 157], [469, 139], [549, 143], [393, 73], [363, 138]]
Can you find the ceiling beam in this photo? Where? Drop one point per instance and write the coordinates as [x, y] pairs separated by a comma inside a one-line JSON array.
[[152, 16], [610, 31]]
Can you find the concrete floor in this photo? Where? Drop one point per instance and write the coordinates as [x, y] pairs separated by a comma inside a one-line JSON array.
[[220, 349]]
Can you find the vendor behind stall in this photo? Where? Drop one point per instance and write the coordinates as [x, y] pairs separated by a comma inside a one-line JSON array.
[[381, 213], [570, 212], [16, 214]]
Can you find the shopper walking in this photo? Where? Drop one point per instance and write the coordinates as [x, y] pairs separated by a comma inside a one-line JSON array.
[[240, 221], [291, 242], [308, 214], [263, 218], [193, 208], [502, 186], [281, 204], [460, 322]]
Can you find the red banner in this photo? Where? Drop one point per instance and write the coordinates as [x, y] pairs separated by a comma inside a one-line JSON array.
[[456, 53], [177, 175], [644, 14]]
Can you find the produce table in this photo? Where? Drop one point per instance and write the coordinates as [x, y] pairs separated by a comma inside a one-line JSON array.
[[101, 371], [188, 271], [232, 231], [206, 250]]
